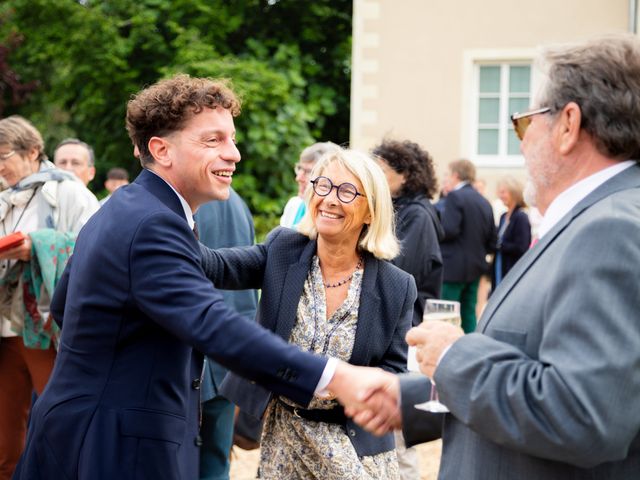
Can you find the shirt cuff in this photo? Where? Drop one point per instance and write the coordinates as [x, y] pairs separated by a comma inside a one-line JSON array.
[[326, 377]]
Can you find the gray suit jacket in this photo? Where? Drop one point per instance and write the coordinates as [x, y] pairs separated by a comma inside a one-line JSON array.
[[549, 386]]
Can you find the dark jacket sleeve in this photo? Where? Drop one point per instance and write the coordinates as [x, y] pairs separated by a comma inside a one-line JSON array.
[[517, 237], [452, 216], [395, 358], [237, 268], [418, 426], [420, 253]]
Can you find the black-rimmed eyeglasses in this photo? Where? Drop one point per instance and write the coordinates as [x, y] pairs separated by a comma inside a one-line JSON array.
[[347, 192], [521, 121]]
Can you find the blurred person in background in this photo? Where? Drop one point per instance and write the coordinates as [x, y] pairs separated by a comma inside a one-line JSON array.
[[469, 236], [49, 206], [295, 208], [412, 182], [221, 224], [514, 230], [76, 156], [328, 289], [116, 177]]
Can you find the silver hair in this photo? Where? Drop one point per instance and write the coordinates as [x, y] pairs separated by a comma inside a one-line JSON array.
[[602, 76]]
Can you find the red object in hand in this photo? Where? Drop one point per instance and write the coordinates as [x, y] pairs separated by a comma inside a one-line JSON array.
[[11, 241]]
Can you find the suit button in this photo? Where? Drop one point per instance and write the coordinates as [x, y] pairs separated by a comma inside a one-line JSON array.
[[198, 441], [196, 384], [352, 432]]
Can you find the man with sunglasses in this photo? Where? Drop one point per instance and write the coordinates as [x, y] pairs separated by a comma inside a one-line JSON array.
[[548, 386]]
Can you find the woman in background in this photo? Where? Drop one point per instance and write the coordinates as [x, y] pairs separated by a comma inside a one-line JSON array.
[[514, 229], [295, 208]]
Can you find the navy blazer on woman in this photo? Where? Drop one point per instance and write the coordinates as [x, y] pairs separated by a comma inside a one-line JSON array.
[[515, 240], [123, 399], [280, 267]]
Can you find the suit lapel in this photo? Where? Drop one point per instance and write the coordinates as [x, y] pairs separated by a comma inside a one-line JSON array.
[[629, 178], [160, 189], [292, 291], [369, 309]]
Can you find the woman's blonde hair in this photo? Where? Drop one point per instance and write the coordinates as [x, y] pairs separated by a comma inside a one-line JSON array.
[[515, 188], [379, 236]]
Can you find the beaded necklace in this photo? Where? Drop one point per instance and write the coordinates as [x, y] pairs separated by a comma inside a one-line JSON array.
[[345, 280]]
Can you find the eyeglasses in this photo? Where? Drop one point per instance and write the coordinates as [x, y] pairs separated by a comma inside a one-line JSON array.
[[347, 192], [521, 121], [298, 169], [6, 156]]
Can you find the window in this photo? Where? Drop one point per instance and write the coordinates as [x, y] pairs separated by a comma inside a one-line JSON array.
[[496, 83], [502, 90]]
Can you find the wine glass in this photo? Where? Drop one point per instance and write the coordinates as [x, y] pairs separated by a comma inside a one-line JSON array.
[[445, 311]]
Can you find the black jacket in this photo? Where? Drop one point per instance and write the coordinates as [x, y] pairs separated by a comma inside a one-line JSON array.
[[470, 235], [419, 230], [515, 240]]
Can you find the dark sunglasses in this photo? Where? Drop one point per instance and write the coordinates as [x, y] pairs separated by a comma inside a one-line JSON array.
[[521, 121], [347, 192]]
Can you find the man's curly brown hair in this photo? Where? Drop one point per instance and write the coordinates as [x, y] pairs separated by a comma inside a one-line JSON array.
[[409, 159], [167, 105]]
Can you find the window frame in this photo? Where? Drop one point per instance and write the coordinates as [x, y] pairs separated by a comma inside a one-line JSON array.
[[473, 60]]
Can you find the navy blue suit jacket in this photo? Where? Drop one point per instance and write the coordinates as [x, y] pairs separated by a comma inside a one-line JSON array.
[[280, 267], [122, 401], [515, 241], [469, 235]]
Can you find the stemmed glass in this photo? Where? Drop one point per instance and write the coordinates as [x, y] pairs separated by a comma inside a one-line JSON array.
[[445, 311]]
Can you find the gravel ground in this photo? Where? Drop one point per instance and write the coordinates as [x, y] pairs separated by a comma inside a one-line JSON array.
[[244, 464]]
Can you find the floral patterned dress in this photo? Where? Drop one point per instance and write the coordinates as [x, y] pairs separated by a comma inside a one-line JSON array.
[[296, 448]]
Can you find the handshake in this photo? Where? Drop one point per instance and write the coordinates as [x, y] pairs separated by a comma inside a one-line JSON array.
[[371, 396]]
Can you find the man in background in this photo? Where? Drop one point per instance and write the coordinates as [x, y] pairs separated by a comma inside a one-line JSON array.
[[469, 235], [221, 224], [77, 157], [116, 177]]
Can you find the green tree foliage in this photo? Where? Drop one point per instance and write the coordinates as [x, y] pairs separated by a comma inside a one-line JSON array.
[[288, 59]]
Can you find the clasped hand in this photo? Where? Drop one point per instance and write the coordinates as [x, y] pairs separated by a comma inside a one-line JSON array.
[[371, 396]]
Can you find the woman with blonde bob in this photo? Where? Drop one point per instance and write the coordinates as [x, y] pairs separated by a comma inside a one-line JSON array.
[[328, 289], [514, 229]]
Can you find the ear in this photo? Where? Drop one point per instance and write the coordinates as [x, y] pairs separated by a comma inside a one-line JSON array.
[[367, 219], [569, 122], [92, 173], [32, 154], [159, 149]]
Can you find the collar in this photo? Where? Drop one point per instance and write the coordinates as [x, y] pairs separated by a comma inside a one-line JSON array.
[[188, 214], [568, 199], [459, 186]]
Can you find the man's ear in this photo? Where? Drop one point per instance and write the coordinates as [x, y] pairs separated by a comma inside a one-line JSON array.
[[569, 122], [159, 149]]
